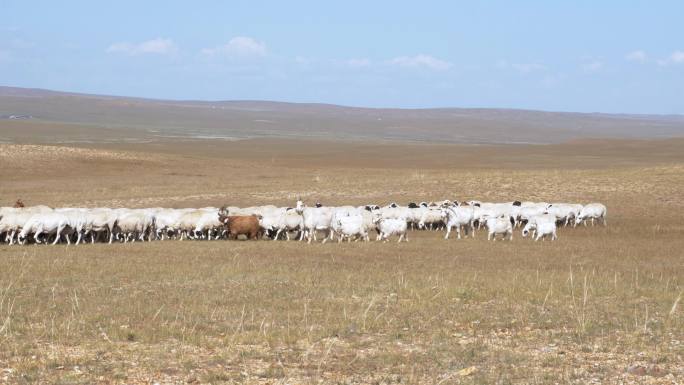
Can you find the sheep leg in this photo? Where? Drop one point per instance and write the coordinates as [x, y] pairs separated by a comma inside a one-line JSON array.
[[36, 236], [57, 235]]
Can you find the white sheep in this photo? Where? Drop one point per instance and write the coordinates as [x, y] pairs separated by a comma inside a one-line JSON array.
[[499, 225], [541, 226], [391, 226], [592, 211]]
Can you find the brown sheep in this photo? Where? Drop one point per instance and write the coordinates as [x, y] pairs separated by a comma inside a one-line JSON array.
[[235, 225]]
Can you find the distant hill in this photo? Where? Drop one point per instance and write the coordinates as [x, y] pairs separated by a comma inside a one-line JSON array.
[[151, 118]]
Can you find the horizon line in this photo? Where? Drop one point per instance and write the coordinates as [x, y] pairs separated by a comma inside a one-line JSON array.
[[175, 100]]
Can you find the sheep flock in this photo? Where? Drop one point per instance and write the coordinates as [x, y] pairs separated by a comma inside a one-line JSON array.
[[22, 224]]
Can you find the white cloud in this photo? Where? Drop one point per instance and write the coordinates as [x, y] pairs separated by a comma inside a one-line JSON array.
[[156, 46], [239, 46], [592, 66], [421, 60], [677, 57], [358, 63], [637, 56]]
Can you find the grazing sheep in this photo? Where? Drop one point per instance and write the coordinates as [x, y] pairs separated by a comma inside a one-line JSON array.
[[461, 216], [347, 222], [432, 218], [351, 226], [391, 226], [316, 219], [592, 211], [542, 225], [48, 224], [499, 225]]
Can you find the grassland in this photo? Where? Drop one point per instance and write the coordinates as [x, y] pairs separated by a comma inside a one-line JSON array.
[[84, 117], [584, 309]]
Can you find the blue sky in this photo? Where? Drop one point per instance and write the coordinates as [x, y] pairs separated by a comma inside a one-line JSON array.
[[607, 56]]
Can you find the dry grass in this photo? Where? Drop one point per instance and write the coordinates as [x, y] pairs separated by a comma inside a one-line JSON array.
[[578, 310]]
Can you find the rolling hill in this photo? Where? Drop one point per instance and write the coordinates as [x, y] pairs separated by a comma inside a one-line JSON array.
[[87, 117]]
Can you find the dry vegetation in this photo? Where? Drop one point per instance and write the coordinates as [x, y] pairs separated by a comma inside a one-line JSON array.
[[600, 305]]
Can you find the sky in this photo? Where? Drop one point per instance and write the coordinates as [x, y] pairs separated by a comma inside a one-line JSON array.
[[586, 56]]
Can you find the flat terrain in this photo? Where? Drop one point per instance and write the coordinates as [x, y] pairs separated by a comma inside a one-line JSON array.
[[580, 310]]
